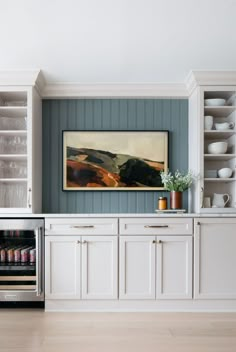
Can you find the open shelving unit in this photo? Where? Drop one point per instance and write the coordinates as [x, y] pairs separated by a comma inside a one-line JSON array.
[[215, 162], [204, 165]]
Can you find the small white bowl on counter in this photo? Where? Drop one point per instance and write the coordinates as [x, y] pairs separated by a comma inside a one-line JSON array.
[[217, 148], [215, 102]]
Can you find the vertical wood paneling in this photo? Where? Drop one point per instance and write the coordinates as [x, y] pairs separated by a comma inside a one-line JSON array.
[[109, 114]]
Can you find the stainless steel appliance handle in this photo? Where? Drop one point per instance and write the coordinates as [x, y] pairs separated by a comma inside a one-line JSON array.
[[155, 226], [38, 232]]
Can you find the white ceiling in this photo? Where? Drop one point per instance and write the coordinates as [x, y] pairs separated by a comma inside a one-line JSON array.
[[118, 41]]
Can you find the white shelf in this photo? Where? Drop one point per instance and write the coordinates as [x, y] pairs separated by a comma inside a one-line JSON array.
[[211, 157], [13, 111], [231, 179], [219, 111], [219, 134], [13, 132], [218, 210], [13, 180], [13, 156]]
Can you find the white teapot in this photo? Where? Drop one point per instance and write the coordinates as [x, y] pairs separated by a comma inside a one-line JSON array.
[[219, 200]]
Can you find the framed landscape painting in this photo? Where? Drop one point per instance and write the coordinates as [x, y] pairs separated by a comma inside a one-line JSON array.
[[114, 160]]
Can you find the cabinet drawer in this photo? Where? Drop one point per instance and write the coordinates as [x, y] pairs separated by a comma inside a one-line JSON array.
[[153, 226], [81, 226]]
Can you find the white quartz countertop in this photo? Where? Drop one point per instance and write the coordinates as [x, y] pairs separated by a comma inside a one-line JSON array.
[[117, 215]]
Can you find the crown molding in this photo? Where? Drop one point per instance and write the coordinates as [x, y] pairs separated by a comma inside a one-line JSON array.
[[23, 78], [209, 78], [195, 78], [124, 90], [40, 83]]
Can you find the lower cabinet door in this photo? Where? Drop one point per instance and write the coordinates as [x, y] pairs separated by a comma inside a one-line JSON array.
[[62, 267], [174, 267], [215, 258], [99, 267], [137, 267]]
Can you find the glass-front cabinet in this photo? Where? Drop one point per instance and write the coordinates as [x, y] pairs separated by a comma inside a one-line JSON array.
[[20, 150]]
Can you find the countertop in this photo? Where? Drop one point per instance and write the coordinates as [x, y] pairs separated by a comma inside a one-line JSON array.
[[120, 215]]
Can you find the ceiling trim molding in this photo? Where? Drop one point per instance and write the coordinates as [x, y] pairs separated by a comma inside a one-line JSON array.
[[19, 77], [195, 78], [40, 83], [125, 90], [32, 78], [209, 78]]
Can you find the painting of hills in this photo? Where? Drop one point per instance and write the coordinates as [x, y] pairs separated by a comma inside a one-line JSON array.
[[114, 160]]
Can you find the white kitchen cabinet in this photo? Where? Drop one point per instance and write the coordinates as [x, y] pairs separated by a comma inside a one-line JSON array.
[[62, 267], [20, 149], [174, 267], [137, 267], [156, 267], [215, 258], [99, 267], [81, 267]]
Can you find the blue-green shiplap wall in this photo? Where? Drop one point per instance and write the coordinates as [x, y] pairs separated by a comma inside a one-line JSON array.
[[108, 114]]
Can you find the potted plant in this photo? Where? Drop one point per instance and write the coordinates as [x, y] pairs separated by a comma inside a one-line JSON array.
[[176, 184]]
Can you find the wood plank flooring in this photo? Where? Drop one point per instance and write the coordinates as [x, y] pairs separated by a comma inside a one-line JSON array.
[[36, 331]]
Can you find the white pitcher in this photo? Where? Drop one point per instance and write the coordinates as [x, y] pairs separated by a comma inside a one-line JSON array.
[[219, 200]]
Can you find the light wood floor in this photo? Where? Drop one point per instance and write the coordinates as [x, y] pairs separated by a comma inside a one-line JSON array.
[[34, 331]]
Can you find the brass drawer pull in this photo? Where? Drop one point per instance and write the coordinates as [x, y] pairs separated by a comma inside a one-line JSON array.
[[84, 242], [158, 242], [82, 227], [155, 226]]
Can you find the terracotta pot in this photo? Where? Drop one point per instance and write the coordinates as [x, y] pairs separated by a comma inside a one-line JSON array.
[[175, 200]]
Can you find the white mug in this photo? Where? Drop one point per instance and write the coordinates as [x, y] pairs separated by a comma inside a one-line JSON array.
[[208, 122], [224, 126]]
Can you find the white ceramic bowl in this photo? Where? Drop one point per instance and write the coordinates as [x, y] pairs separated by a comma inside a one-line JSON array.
[[217, 148], [226, 172], [215, 102]]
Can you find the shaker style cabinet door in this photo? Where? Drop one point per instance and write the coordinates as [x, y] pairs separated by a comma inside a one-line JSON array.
[[215, 258], [174, 267], [99, 267], [137, 267], [62, 267]]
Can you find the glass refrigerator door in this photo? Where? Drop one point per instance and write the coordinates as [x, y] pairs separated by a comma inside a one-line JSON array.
[[18, 260]]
